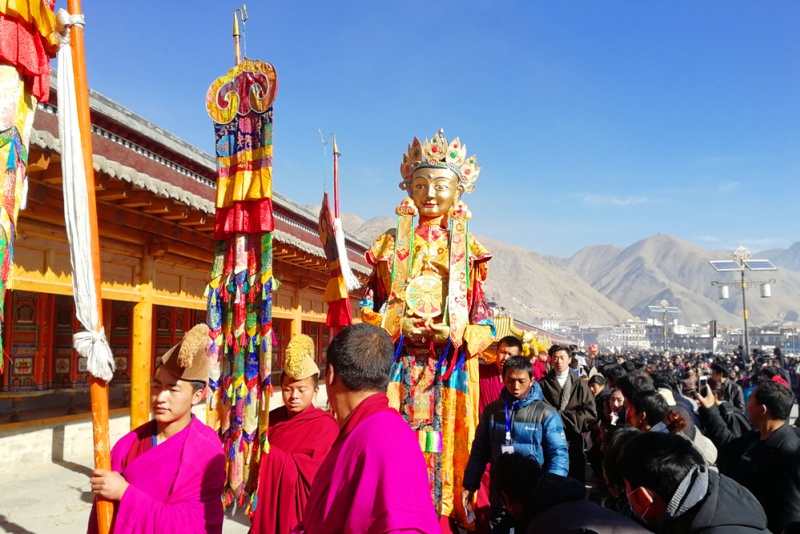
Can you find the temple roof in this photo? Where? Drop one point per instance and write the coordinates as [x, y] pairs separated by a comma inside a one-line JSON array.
[[187, 175]]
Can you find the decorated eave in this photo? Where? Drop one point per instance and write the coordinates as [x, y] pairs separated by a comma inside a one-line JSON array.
[[506, 325], [164, 186]]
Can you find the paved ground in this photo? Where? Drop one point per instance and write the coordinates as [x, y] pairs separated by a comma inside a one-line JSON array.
[[56, 498]]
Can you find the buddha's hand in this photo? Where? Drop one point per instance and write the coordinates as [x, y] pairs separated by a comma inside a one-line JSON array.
[[440, 332], [425, 330]]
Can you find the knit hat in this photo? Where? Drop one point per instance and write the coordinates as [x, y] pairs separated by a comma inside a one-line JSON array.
[[188, 360], [300, 358]]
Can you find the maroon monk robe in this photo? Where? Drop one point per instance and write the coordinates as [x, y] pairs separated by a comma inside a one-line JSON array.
[[297, 448], [490, 384]]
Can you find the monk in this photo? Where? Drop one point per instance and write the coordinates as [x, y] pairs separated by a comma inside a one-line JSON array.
[[168, 474], [300, 437], [374, 480], [491, 376]]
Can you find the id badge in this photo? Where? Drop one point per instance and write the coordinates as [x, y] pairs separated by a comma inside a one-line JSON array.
[[507, 449]]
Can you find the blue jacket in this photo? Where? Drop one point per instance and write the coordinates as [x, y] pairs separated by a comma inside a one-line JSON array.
[[536, 432]]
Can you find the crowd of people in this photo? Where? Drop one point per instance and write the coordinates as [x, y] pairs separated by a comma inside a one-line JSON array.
[[565, 443]]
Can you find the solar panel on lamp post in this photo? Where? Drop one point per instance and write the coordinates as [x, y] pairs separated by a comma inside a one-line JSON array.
[[741, 261], [665, 308]]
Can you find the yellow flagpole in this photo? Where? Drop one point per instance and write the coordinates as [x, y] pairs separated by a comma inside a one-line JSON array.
[[98, 387]]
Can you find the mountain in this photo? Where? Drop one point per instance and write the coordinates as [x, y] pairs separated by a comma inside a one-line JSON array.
[[589, 262], [531, 286], [662, 267], [368, 231], [784, 258]]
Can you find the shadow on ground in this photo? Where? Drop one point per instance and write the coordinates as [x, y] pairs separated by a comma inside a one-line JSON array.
[[13, 528]]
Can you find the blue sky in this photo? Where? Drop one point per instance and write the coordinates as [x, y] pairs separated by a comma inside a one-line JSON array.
[[594, 122]]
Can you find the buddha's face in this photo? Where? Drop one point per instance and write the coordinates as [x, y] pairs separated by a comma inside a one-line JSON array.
[[434, 190]]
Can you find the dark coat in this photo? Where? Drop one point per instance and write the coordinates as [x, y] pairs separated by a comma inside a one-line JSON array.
[[689, 385], [581, 412], [732, 392], [735, 421], [770, 469], [579, 416], [559, 506], [727, 508]]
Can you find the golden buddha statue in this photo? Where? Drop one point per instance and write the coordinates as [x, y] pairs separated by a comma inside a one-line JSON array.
[[426, 292]]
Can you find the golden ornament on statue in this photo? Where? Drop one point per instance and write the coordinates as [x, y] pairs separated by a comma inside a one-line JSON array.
[[436, 152], [425, 295]]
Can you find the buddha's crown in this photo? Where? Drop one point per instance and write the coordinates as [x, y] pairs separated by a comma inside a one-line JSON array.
[[438, 153]]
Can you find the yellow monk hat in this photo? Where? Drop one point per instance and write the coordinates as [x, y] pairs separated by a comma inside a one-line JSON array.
[[300, 358], [187, 360]]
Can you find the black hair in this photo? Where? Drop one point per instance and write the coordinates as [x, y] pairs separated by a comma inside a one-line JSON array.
[[721, 369], [614, 443], [776, 397], [615, 372], [518, 363], [510, 342], [629, 366], [197, 385], [597, 379], [515, 475], [665, 379], [631, 384], [555, 348], [658, 461], [362, 355], [604, 367], [652, 404]]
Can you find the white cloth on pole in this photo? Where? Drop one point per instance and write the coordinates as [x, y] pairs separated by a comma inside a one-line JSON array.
[[92, 343], [350, 279]]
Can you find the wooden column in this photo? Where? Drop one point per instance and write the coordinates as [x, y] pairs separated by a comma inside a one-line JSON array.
[[7, 334], [297, 311], [44, 340], [142, 346]]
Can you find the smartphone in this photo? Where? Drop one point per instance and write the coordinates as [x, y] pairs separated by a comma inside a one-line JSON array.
[[702, 387]]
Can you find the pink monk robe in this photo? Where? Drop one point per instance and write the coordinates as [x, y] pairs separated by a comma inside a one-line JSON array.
[[174, 487], [374, 480], [297, 448]]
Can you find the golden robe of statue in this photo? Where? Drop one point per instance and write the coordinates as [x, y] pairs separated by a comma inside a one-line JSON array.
[[426, 292]]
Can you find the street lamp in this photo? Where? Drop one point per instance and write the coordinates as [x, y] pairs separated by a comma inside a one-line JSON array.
[[741, 261], [665, 308]]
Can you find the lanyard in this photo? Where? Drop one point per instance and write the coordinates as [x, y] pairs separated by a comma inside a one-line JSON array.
[[510, 420]]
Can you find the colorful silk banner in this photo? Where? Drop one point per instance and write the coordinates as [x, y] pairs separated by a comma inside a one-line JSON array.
[[240, 290], [28, 40]]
